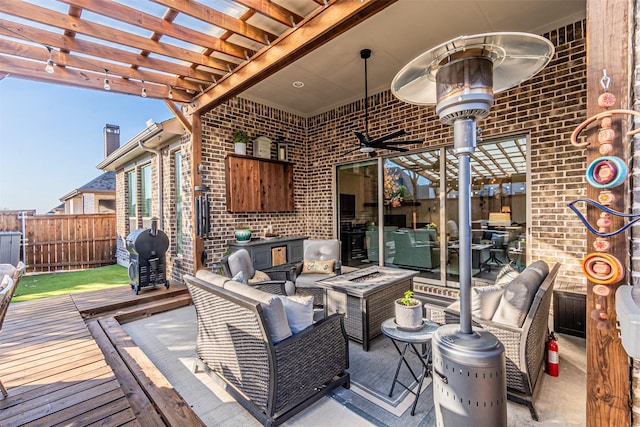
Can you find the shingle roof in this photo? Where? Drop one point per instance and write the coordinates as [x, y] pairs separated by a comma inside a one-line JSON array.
[[105, 182]]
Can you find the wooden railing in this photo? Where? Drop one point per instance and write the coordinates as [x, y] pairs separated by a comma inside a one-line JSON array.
[[64, 242]]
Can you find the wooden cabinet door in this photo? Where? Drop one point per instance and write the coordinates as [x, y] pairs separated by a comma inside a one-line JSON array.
[[257, 185]]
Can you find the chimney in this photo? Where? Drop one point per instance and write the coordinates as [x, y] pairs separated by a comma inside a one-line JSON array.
[[111, 139]]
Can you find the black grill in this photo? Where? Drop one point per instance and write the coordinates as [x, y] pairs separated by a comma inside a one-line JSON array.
[[147, 265]]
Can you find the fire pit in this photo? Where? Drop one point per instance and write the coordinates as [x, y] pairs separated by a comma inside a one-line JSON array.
[[365, 297]]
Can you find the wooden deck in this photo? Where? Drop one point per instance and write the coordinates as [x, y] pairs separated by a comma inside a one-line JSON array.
[[67, 361]]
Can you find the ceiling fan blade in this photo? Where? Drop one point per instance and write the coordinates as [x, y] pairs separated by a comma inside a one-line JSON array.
[[417, 141], [363, 139], [351, 151], [402, 150], [387, 137], [372, 154]]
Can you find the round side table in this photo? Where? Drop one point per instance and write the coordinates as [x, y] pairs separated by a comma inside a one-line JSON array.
[[411, 338]]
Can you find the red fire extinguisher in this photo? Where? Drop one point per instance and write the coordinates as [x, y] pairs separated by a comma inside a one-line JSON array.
[[553, 364]]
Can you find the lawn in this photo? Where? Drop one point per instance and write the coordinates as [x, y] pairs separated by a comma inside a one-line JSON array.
[[69, 282]]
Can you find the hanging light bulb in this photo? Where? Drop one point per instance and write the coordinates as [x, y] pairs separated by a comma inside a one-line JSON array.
[[170, 95], [106, 86], [49, 68], [143, 93]]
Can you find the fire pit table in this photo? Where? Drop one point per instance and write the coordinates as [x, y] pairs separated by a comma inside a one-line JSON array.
[[365, 297]]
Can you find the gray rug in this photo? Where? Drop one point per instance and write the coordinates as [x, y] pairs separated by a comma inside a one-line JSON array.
[[371, 378]]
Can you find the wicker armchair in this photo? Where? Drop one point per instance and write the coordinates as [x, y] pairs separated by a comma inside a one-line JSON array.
[[10, 276], [273, 381], [240, 261], [524, 346]]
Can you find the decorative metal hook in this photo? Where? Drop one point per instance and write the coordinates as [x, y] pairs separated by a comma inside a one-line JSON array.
[[605, 81], [605, 209]]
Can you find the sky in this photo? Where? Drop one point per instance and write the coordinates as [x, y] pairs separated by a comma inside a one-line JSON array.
[[51, 138]]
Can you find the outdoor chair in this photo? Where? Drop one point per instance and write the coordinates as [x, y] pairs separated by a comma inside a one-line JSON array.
[[8, 288], [321, 260], [239, 266], [420, 255]]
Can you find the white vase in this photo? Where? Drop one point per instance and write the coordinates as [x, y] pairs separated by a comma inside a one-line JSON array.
[[409, 316], [240, 148]]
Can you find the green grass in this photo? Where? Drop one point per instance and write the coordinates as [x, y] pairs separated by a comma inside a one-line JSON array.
[[70, 282]]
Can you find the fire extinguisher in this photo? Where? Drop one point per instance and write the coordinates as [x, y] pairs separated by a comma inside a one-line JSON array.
[[553, 364]]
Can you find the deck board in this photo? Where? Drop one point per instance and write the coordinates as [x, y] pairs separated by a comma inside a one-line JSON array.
[[56, 372]]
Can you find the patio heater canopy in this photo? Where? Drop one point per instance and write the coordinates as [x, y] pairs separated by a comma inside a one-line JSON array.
[[516, 57]]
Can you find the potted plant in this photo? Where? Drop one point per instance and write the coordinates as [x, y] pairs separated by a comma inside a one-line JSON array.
[[409, 312], [240, 139]]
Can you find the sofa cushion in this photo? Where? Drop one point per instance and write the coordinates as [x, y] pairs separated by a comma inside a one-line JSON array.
[[273, 311], [211, 277], [484, 301], [518, 296], [299, 309], [309, 280], [505, 275], [259, 276], [239, 277], [317, 266]]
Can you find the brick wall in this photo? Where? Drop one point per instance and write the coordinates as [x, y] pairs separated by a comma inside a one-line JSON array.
[[547, 107]]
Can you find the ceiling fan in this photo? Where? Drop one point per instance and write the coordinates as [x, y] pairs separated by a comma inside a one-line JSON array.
[[368, 144]]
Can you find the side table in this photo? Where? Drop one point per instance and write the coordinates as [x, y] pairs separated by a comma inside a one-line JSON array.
[[420, 336]]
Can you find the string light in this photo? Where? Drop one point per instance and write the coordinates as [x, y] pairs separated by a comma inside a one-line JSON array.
[[143, 93], [106, 86], [170, 95], [49, 68]]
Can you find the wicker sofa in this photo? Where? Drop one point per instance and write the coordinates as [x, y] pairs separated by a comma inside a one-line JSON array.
[[272, 380], [524, 345]]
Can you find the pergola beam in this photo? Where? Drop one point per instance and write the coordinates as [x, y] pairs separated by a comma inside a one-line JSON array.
[[321, 26]]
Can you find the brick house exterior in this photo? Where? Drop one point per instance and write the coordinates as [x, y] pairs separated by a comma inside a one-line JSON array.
[[547, 107]]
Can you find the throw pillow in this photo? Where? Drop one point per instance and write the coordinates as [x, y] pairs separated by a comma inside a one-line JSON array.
[[275, 317], [317, 266], [239, 277], [259, 276], [517, 298], [299, 309], [485, 300], [505, 275]]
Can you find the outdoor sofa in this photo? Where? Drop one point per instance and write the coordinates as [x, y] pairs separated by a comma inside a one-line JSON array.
[[522, 330], [244, 336]]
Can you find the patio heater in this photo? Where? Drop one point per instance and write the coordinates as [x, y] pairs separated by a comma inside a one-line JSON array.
[[460, 77]]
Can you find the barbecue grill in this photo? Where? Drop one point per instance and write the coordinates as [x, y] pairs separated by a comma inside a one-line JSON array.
[[460, 76], [147, 265]]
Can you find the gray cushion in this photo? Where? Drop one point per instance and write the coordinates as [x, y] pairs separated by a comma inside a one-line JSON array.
[[273, 311], [485, 300], [518, 296], [308, 280], [505, 275], [241, 261], [299, 311], [211, 277], [239, 277]]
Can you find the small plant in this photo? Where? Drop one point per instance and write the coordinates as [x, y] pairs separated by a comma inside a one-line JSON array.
[[408, 299], [240, 136]]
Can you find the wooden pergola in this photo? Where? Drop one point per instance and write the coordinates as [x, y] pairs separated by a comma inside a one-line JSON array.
[[195, 70]]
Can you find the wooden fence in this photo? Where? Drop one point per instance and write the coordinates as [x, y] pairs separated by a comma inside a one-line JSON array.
[[64, 242]]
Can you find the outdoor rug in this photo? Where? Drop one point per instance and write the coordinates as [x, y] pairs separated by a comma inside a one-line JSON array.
[[371, 378]]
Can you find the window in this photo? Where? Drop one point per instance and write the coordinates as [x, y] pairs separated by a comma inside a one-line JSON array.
[[420, 208], [132, 208], [177, 161], [145, 190]]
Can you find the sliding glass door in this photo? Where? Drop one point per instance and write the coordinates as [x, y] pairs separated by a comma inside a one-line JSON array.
[[418, 211]]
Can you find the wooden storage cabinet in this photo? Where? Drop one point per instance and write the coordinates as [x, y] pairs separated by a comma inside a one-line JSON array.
[[570, 310], [258, 185], [269, 253]]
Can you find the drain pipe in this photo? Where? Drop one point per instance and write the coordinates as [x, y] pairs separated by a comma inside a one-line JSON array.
[[160, 179]]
